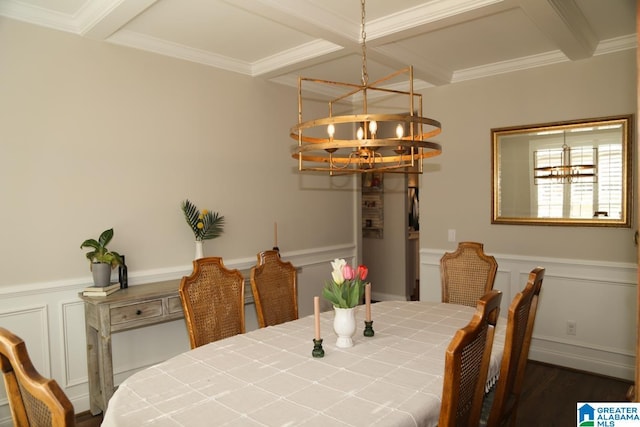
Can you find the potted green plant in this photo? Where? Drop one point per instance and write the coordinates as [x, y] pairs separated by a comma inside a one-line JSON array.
[[101, 259]]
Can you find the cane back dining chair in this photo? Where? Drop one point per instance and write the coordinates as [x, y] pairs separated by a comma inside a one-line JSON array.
[[466, 365], [33, 399], [274, 287], [213, 301], [503, 400], [467, 274]]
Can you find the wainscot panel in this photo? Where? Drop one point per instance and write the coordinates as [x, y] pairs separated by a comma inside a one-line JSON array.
[[598, 297]]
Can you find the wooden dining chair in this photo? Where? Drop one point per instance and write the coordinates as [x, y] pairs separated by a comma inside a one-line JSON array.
[[213, 301], [501, 404], [467, 364], [467, 274], [275, 290], [33, 399]]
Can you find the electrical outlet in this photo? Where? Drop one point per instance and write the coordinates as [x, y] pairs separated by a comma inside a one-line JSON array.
[[571, 327]]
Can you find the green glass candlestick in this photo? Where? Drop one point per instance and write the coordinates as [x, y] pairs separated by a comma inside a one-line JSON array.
[[368, 328], [317, 351]]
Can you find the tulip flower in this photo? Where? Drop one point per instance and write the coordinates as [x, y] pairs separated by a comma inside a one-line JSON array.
[[347, 287], [338, 265], [348, 272], [362, 272]]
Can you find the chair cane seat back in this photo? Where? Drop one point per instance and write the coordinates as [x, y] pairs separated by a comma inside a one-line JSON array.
[[33, 399], [213, 301], [467, 274], [520, 323], [274, 288], [466, 366]]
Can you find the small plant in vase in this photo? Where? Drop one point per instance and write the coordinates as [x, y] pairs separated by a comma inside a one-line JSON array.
[[205, 225], [101, 259]]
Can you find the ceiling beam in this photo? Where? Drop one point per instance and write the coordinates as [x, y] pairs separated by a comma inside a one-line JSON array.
[[565, 24], [99, 19]]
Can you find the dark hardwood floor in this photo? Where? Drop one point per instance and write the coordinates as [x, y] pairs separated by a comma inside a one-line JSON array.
[[550, 393], [85, 419], [549, 396]]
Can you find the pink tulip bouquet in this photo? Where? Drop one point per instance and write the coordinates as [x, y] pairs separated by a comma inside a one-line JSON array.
[[347, 287]]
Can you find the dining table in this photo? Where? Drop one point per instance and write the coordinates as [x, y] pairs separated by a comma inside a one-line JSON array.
[[268, 377]]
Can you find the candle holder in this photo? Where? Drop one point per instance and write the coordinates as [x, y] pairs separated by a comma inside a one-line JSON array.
[[317, 351], [368, 328]]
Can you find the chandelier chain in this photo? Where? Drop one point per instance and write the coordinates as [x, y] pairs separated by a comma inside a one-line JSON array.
[[365, 75]]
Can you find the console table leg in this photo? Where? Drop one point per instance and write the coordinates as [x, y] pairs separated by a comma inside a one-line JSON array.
[[99, 363], [92, 370], [105, 367]]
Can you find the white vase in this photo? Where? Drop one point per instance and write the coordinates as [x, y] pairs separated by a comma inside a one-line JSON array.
[[344, 325], [199, 251]]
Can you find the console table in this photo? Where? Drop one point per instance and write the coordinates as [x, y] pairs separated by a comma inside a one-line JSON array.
[[130, 308]]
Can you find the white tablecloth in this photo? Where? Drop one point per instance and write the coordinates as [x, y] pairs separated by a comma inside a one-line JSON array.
[[267, 377]]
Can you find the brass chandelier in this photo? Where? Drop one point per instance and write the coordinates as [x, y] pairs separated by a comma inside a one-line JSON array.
[[371, 140]]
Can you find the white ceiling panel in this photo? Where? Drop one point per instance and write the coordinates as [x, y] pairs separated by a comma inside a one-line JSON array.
[[445, 40], [482, 41], [216, 26]]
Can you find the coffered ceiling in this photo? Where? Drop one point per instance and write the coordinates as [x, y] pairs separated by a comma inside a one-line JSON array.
[[447, 41]]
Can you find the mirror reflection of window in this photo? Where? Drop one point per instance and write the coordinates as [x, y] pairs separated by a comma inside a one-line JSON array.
[[591, 197], [570, 173]]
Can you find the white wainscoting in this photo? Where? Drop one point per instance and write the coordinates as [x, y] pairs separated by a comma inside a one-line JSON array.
[[600, 297], [49, 317]]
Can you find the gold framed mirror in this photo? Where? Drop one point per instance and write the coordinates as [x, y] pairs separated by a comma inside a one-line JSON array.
[[565, 173]]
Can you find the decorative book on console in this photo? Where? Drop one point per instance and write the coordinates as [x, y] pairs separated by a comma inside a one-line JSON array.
[[101, 291]]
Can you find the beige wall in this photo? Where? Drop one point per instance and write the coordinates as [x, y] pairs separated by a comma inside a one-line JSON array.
[[386, 257], [96, 136], [456, 189]]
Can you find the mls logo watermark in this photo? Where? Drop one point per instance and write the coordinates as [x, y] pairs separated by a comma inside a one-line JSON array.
[[608, 414]]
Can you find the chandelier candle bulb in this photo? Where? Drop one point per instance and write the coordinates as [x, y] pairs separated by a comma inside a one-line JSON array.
[[331, 130], [316, 314], [367, 298], [373, 128]]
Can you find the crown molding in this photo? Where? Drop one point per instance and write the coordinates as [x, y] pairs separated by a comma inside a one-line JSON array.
[[293, 56], [616, 44], [39, 16], [422, 14], [509, 66], [548, 58], [147, 43]]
